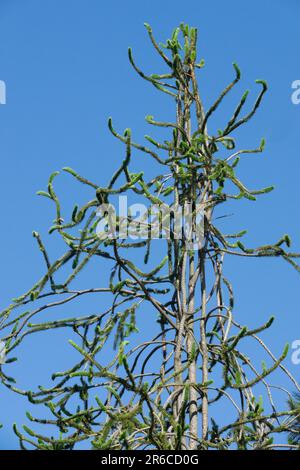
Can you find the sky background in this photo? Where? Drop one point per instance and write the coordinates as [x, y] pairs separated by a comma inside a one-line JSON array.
[[66, 70]]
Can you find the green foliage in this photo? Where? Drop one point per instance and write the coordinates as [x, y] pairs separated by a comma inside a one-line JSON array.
[[124, 388]]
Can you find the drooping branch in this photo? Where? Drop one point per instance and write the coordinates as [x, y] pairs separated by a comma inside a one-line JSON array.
[[162, 391]]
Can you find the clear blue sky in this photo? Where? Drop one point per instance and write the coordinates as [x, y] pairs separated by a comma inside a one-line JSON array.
[[66, 70]]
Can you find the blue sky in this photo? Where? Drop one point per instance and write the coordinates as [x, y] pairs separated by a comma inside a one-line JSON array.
[[66, 71]]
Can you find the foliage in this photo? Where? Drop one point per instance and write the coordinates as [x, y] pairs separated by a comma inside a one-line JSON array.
[[161, 392]]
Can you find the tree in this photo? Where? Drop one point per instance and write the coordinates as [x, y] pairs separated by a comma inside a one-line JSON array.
[[294, 435], [164, 392]]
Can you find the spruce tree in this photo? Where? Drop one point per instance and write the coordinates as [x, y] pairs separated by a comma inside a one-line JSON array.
[[127, 389]]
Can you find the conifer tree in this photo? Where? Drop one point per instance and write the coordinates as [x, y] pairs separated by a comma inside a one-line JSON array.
[[127, 389]]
